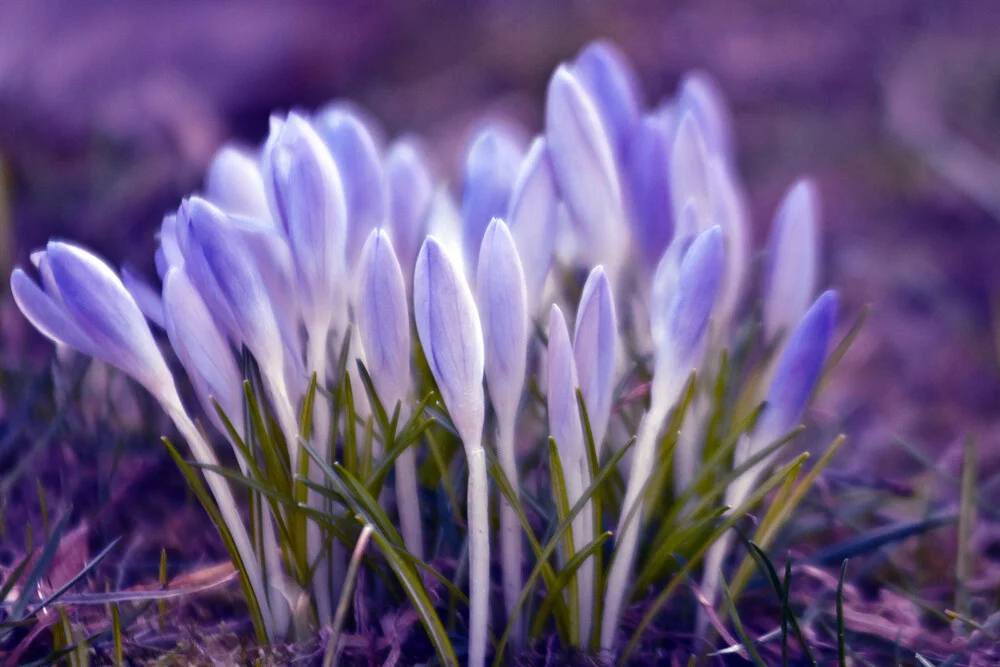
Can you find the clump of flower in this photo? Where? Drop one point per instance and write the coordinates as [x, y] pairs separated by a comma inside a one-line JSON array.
[[291, 285]]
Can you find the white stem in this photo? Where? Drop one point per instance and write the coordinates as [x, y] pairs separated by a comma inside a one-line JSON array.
[[316, 363], [227, 507], [277, 595], [479, 555], [510, 532], [628, 536]]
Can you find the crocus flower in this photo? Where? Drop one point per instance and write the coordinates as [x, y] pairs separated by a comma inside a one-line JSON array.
[[491, 166], [144, 295], [790, 279], [700, 96], [243, 290], [307, 196], [384, 330], [533, 218], [677, 354], [794, 380], [647, 170], [606, 73], [595, 341], [410, 188], [566, 429], [359, 163], [502, 299], [203, 350], [452, 340], [585, 170], [90, 310], [689, 177], [233, 183]]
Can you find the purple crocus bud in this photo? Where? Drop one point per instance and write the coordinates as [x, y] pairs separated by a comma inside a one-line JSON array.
[[444, 222], [452, 339], [800, 366], [92, 312], [502, 299], [306, 194], [202, 348], [668, 273], [359, 163], [410, 190], [701, 96], [533, 217], [729, 210], [686, 327], [584, 166], [649, 187], [607, 74], [564, 413], [491, 166], [233, 183], [689, 170], [145, 296], [594, 345], [239, 281], [383, 318], [790, 280]]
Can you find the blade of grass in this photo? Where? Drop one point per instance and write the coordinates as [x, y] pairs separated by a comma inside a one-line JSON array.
[[346, 593], [568, 543], [563, 579], [738, 626]]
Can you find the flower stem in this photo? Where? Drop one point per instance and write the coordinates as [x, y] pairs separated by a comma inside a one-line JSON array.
[[316, 363], [510, 532], [479, 555]]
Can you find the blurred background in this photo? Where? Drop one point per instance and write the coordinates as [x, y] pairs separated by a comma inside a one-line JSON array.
[[110, 112]]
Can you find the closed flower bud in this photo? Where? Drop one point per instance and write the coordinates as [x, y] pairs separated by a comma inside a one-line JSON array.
[[584, 167], [800, 366], [233, 183], [502, 300], [359, 163], [791, 273], [649, 188], [306, 193], [144, 295], [700, 96], [533, 218], [93, 312], [383, 318], [687, 319], [410, 189], [595, 342], [491, 165], [564, 413], [451, 337], [608, 76], [202, 349], [689, 178]]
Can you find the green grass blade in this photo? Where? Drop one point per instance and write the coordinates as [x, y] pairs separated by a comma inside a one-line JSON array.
[[738, 626], [565, 576], [568, 543]]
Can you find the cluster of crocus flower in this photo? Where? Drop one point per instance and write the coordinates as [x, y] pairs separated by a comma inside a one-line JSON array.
[[325, 234]]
